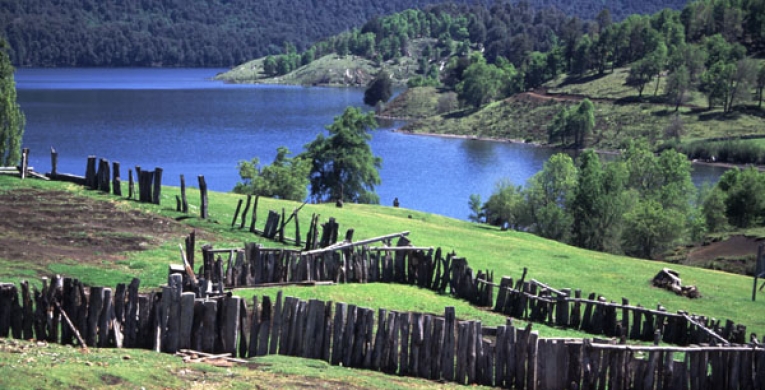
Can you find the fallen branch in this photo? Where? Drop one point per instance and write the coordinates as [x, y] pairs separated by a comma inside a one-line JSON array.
[[188, 356], [74, 329]]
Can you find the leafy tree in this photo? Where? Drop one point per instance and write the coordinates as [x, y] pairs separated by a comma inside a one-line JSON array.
[[713, 210], [476, 208], [744, 203], [650, 228], [582, 56], [342, 164], [583, 121], [481, 82], [760, 84], [714, 83], [286, 178], [658, 59], [640, 74], [548, 194], [379, 89], [598, 203], [535, 70], [505, 205], [12, 120], [678, 84], [725, 83]]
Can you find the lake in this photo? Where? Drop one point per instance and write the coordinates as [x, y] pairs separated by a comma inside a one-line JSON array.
[[186, 123]]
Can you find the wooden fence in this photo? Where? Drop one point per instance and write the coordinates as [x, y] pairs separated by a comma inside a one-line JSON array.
[[421, 345], [357, 262]]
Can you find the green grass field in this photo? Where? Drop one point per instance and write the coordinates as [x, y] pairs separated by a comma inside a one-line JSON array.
[[725, 296]]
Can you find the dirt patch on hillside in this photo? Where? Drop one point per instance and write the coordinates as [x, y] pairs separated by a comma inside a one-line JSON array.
[[42, 227], [736, 254]]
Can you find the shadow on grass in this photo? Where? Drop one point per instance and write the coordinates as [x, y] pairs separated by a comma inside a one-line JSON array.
[[574, 80], [719, 116]]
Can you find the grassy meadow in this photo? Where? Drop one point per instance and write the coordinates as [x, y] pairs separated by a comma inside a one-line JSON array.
[[507, 253], [725, 296]]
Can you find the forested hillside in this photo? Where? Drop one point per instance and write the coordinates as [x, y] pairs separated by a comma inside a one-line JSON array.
[[209, 32]]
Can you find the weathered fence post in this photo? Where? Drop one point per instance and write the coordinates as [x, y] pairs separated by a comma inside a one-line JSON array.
[[90, 173], [24, 163], [156, 195], [203, 195], [53, 163], [131, 185], [184, 202], [116, 182]]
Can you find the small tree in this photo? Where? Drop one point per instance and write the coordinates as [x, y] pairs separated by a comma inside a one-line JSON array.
[[476, 210], [505, 205], [342, 164], [286, 178], [11, 118], [380, 89], [640, 74], [678, 83], [760, 84]]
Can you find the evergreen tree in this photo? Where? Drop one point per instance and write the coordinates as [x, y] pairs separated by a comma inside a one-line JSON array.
[[379, 89], [12, 120]]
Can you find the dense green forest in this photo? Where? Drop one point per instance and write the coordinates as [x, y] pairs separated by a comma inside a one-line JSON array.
[[210, 32]]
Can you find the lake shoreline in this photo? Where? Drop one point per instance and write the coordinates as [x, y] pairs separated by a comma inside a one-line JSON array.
[[599, 151]]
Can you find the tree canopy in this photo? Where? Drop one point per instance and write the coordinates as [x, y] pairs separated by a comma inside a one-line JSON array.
[[286, 178], [12, 120], [342, 164]]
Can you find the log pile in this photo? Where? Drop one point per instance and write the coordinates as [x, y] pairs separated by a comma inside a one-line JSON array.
[[669, 279]]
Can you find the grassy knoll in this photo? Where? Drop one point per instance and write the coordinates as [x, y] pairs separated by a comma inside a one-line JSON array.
[[619, 114]]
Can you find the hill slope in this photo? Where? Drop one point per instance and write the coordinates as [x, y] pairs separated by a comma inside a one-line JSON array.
[[202, 33]]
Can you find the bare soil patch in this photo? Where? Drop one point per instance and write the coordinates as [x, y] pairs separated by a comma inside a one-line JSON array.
[[733, 254], [42, 227]]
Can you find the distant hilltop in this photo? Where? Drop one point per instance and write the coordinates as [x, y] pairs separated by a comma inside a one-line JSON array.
[[211, 33]]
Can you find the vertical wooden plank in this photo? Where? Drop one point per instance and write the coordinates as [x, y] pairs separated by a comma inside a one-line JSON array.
[[379, 346], [341, 310], [574, 366], [390, 354], [463, 347], [472, 352], [186, 320], [230, 326], [521, 356], [184, 201], [436, 347], [531, 376], [104, 319], [403, 319], [447, 363], [28, 310], [209, 326], [276, 326], [94, 311], [369, 323], [327, 336], [203, 202], [244, 327], [359, 344], [265, 326], [116, 182], [417, 337], [500, 360]]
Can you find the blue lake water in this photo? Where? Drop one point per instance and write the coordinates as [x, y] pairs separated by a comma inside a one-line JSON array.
[[186, 123]]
